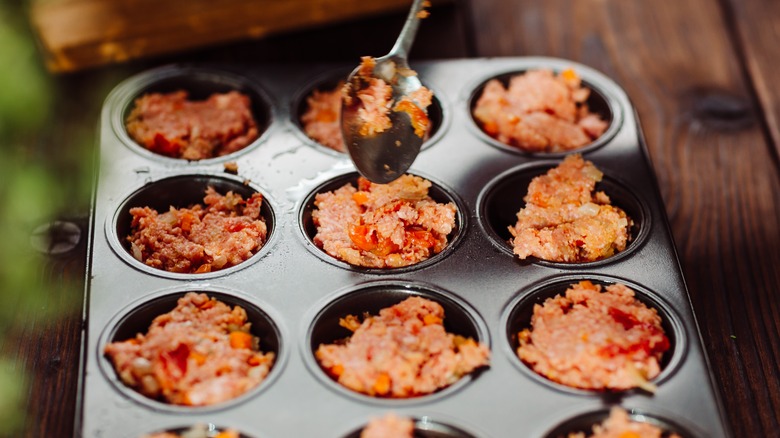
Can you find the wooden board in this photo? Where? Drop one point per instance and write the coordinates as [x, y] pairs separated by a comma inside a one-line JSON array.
[[76, 34]]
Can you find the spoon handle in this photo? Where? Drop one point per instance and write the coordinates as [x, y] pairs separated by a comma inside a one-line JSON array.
[[405, 39]]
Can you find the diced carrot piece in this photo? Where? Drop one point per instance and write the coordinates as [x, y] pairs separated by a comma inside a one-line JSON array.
[[337, 370], [431, 319], [185, 222], [197, 357], [202, 269], [360, 198], [240, 340], [569, 75], [382, 384], [630, 434], [362, 237], [490, 127]]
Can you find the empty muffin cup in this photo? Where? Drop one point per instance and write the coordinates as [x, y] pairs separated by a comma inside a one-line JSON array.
[[542, 129], [502, 198], [517, 318], [238, 129], [185, 191], [436, 192], [316, 112], [582, 425], [338, 320], [137, 319]]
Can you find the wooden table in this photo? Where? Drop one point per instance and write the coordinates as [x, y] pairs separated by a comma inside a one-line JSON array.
[[698, 71]]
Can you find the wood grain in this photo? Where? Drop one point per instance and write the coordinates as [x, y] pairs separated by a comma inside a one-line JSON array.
[[756, 27], [714, 164]]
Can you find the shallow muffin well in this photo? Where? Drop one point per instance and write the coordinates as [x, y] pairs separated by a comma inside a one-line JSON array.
[[209, 431], [518, 317], [502, 198], [370, 298], [427, 427], [437, 192], [599, 102], [583, 423], [200, 83], [181, 191], [436, 112], [138, 319]]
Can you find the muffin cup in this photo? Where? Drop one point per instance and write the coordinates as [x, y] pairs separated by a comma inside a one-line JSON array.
[[600, 102], [200, 83], [517, 317], [437, 192], [502, 198], [427, 427], [182, 191], [138, 316], [459, 318], [584, 423]]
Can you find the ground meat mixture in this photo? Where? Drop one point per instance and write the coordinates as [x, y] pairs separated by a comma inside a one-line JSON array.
[[389, 426], [594, 339], [171, 125], [375, 101], [382, 225], [620, 425], [403, 352], [196, 240], [200, 353], [197, 431], [539, 112], [322, 118], [565, 221]]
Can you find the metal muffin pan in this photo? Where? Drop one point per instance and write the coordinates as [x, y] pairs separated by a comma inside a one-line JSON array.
[[295, 290]]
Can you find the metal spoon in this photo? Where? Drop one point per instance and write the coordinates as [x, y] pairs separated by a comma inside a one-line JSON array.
[[385, 156]]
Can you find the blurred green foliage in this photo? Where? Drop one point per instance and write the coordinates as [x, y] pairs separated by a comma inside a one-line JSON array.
[[29, 196]]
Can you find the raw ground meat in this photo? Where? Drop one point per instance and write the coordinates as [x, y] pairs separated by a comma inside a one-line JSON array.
[[382, 225], [322, 119], [389, 426], [539, 112], [594, 339], [375, 101], [403, 352], [200, 353], [170, 124], [225, 233], [565, 221]]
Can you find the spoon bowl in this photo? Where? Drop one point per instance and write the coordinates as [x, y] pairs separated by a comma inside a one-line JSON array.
[[385, 154]]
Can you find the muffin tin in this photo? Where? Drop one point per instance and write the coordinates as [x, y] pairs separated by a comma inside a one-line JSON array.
[[295, 293]]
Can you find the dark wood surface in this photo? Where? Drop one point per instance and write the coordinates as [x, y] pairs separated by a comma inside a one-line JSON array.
[[700, 73]]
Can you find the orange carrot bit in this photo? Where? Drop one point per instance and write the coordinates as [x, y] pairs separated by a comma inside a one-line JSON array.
[[382, 384], [208, 304], [630, 434], [431, 319], [490, 127], [240, 340], [350, 322], [197, 357], [360, 198], [202, 269], [570, 75], [226, 434], [185, 222], [363, 237], [337, 370]]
